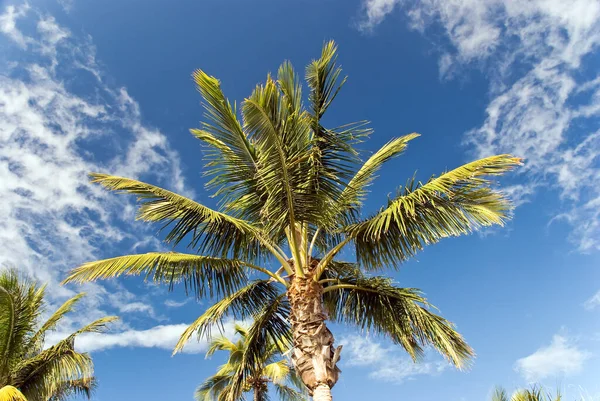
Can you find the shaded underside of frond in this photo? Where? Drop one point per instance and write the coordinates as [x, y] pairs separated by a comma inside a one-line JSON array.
[[270, 326], [202, 275], [209, 231], [402, 314]]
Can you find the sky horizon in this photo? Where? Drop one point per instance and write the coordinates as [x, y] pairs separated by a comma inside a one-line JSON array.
[[106, 87]]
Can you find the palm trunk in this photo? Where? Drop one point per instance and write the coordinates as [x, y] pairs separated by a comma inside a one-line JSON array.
[[314, 356]]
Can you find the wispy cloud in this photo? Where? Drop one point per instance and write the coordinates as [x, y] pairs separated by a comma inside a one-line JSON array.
[[544, 104], [593, 302], [560, 358], [162, 337], [60, 120], [385, 364], [169, 303]]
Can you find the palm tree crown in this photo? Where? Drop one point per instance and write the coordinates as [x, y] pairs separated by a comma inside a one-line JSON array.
[[27, 370], [291, 191], [272, 368], [535, 393]]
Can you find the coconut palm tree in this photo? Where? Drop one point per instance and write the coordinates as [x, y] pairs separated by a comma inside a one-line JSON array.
[[290, 193], [272, 368], [536, 393], [28, 372]]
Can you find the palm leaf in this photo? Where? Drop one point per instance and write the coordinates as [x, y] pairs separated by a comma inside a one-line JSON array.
[[286, 393], [10, 393], [211, 231], [203, 275], [37, 340], [270, 326], [402, 314], [277, 372], [246, 302], [455, 203], [215, 388], [354, 193]]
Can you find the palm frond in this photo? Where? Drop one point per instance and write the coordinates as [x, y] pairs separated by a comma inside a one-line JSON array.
[[43, 373], [202, 275], [221, 343], [282, 139], [232, 159], [277, 372], [270, 326], [354, 193], [211, 232], [83, 387], [10, 393], [402, 314], [215, 388], [499, 394], [455, 203], [246, 302], [22, 302], [287, 393], [322, 77], [37, 340]]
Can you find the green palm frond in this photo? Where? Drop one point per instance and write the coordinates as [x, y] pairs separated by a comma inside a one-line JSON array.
[[269, 327], [277, 372], [246, 302], [455, 203], [74, 388], [287, 393], [211, 231], [232, 159], [37, 340], [283, 142], [221, 343], [203, 275], [51, 374], [499, 394], [22, 303], [355, 191], [215, 388], [10, 393], [243, 374], [402, 314]]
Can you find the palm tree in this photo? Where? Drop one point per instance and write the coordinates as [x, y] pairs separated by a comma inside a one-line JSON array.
[[28, 372], [271, 368], [536, 393], [290, 193]]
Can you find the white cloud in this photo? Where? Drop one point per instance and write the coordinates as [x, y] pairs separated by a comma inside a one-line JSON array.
[[162, 337], [59, 121], [8, 24], [558, 359], [169, 303], [544, 106], [385, 364], [593, 302]]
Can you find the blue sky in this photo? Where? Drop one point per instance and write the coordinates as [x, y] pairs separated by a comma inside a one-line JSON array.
[[106, 86]]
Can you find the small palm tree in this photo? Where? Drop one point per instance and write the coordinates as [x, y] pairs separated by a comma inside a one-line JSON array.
[[271, 368], [535, 393], [291, 192], [28, 372]]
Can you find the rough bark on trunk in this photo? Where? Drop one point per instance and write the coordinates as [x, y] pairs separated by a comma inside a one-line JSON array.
[[314, 356]]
